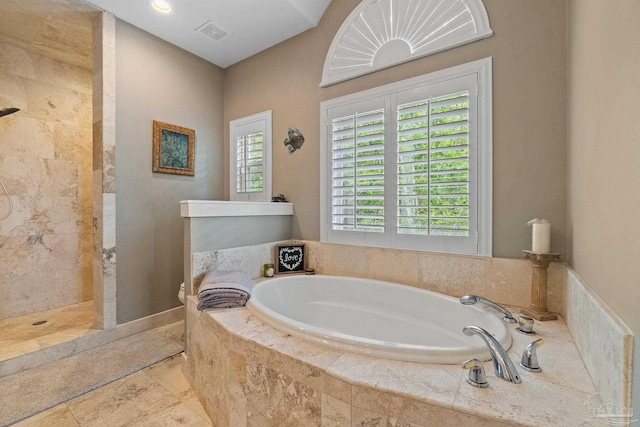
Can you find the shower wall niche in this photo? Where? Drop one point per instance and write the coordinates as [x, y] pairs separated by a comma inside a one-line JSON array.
[[46, 244]]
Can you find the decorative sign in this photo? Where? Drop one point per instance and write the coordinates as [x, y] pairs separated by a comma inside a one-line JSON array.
[[290, 259]]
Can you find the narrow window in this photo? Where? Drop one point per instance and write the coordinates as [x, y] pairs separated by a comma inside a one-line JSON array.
[[250, 158]]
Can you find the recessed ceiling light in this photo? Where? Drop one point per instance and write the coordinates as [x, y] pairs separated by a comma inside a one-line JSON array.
[[161, 5]]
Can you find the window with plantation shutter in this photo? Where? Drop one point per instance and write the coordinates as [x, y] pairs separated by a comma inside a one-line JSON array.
[[408, 165], [357, 172], [433, 166], [249, 162], [250, 158]]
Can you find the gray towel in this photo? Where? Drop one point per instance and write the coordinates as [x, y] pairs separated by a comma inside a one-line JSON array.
[[224, 289]]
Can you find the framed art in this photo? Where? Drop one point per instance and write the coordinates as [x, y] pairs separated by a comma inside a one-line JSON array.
[[173, 149], [290, 259]]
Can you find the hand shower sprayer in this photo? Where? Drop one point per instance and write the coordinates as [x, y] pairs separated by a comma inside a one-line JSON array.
[[6, 112]]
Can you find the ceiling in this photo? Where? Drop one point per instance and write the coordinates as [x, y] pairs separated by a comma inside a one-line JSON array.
[[250, 25]]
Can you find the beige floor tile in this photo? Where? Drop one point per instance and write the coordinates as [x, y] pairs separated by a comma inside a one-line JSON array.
[[157, 396], [134, 399], [58, 416], [180, 415], [192, 401], [169, 374]]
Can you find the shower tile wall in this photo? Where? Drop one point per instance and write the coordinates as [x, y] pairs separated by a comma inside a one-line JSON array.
[[46, 165], [104, 155]]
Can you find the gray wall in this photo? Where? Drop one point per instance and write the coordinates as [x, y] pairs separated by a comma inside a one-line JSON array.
[[158, 81], [529, 49], [208, 234]]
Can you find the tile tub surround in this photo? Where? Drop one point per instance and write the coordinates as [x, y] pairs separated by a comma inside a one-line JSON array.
[[248, 259], [506, 281], [246, 373], [604, 341]]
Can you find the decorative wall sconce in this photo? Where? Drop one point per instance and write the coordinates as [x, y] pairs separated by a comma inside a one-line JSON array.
[[294, 140]]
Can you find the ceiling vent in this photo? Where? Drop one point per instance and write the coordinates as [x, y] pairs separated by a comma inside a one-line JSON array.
[[212, 31]]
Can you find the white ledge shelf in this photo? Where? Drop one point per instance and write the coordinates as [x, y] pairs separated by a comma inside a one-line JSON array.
[[218, 208]]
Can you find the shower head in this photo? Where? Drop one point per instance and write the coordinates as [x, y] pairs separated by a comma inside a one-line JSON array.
[[7, 111]]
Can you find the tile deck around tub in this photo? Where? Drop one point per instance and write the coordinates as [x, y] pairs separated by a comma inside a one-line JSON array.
[[348, 389]]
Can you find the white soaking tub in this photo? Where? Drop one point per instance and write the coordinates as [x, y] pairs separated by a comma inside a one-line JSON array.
[[375, 318]]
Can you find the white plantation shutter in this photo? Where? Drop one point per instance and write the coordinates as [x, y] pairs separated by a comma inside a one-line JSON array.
[[249, 163], [408, 165], [357, 172], [433, 166], [250, 158]]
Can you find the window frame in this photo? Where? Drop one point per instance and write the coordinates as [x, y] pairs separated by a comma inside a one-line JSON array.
[[245, 126], [482, 184]]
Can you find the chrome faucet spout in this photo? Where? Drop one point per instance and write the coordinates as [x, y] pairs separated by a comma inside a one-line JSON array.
[[502, 363], [473, 299]]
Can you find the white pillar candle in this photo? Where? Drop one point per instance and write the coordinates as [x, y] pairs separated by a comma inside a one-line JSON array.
[[541, 236]]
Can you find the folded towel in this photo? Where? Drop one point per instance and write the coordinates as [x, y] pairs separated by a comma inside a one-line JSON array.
[[224, 289]]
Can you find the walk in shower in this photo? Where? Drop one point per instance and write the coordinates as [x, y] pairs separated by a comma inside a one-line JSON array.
[[46, 158]]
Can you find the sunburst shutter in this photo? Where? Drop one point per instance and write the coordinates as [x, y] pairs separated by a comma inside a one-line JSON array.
[[381, 33]]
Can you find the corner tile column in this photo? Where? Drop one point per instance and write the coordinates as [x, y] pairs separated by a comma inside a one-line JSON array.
[[104, 189]]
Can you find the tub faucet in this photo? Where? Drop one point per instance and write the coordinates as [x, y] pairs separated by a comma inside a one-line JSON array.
[[473, 299], [502, 363], [530, 359]]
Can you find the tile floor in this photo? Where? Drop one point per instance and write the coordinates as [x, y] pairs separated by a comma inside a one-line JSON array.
[[19, 335], [154, 397]]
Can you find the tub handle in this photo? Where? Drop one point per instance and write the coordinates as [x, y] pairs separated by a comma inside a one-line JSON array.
[[476, 375], [529, 359]]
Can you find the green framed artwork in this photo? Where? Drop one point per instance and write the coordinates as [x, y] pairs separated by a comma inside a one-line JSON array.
[[173, 149]]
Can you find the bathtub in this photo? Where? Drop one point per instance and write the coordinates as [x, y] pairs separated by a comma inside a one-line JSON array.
[[375, 318]]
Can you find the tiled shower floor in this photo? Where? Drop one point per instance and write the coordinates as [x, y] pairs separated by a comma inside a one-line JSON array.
[[19, 335]]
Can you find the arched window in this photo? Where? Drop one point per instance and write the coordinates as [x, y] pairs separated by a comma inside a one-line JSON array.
[[382, 33]]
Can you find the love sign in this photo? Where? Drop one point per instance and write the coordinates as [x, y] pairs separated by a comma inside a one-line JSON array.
[[290, 259]]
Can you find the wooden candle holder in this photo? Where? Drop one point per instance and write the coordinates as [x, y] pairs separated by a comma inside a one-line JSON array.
[[538, 307]]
